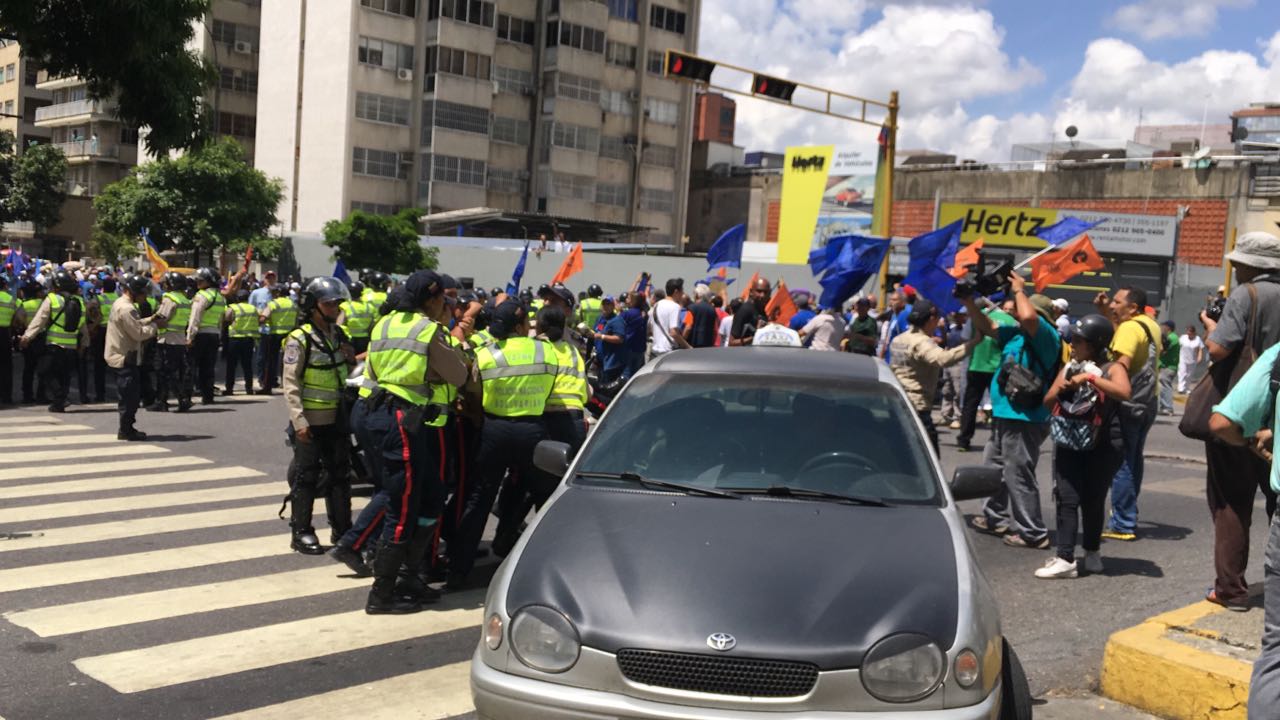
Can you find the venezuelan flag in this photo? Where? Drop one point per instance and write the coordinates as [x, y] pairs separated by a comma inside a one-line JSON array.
[[158, 266]]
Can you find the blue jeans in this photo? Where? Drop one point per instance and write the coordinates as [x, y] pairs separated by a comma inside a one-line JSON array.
[[1127, 482], [1264, 686]]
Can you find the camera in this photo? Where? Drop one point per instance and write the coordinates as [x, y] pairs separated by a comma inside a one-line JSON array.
[[984, 281], [1213, 310]]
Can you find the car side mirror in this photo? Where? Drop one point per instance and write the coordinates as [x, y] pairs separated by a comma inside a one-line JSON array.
[[972, 482], [551, 457]]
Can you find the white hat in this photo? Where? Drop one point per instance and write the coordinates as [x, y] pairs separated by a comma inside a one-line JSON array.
[[1061, 304], [1258, 249]]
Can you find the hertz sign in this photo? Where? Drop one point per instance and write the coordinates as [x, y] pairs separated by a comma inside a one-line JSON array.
[[1016, 227], [999, 225]]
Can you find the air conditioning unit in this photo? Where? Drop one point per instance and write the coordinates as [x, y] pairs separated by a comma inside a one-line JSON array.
[[404, 74], [496, 89], [242, 47]]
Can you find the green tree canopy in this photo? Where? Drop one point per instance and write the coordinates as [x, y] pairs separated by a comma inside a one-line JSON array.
[[132, 50], [37, 191], [382, 242], [205, 200]]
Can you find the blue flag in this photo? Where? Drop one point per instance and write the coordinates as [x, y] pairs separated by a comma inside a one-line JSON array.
[[340, 272], [858, 259], [727, 250], [1065, 229], [642, 285], [19, 263], [932, 255], [517, 275]]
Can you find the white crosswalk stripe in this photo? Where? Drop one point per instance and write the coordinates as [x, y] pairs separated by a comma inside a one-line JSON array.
[[64, 440], [37, 428], [50, 511], [104, 469], [23, 419], [125, 482], [28, 456]]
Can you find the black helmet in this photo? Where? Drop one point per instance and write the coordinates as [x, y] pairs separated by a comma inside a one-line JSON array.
[[1096, 330], [175, 281], [138, 284], [376, 279], [65, 281], [495, 292], [562, 292], [208, 275], [594, 290], [323, 289], [526, 296], [357, 288]]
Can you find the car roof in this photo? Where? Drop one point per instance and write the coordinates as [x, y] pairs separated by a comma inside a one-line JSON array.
[[776, 361]]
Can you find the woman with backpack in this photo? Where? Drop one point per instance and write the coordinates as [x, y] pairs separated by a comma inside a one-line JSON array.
[[1084, 400]]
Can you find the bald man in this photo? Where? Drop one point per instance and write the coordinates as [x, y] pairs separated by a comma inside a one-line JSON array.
[[751, 315]]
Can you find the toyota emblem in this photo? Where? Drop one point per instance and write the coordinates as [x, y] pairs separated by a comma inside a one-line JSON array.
[[724, 642]]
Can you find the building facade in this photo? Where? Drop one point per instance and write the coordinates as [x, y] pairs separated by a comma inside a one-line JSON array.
[[714, 117], [549, 106]]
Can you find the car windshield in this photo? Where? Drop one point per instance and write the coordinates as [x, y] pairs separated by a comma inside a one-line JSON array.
[[752, 434]]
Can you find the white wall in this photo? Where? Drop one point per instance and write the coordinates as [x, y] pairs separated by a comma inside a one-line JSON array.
[[327, 98], [278, 96]]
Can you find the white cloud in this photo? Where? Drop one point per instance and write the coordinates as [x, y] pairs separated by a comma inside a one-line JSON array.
[[1160, 19]]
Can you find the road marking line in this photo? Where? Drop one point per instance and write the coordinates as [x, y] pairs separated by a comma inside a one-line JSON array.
[[78, 508], [106, 468], [24, 419], [181, 477], [30, 577], [175, 602], [440, 692], [37, 456], [203, 658], [38, 427], [57, 440]]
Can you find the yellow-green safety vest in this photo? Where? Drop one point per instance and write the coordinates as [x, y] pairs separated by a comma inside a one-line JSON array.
[[444, 394], [570, 391], [244, 320], [216, 306], [105, 301], [480, 338], [516, 375], [29, 307], [59, 333], [8, 308], [397, 359], [177, 325], [325, 372], [375, 298], [359, 316], [589, 312], [282, 316]]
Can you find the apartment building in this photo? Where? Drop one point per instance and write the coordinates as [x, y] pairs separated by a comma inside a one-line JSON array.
[[548, 106], [19, 96]]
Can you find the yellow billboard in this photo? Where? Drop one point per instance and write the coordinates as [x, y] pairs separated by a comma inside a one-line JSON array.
[[804, 181], [1000, 225]]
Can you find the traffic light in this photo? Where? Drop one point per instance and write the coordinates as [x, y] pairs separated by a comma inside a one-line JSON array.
[[772, 87], [689, 67]]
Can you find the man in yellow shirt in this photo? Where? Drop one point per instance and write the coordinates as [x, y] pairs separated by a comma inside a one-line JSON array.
[[1136, 346]]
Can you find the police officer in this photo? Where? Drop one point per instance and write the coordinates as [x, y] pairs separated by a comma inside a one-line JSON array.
[[242, 339], [565, 414], [280, 318], [126, 331], [408, 354], [32, 298], [357, 317], [58, 323], [516, 376], [317, 356], [589, 309], [107, 297], [8, 318], [172, 317], [376, 292], [204, 330]]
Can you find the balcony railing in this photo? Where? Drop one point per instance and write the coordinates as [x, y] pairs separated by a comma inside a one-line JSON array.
[[88, 148], [75, 188], [72, 109]]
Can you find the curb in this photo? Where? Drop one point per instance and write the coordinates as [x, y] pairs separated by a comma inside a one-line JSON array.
[[1188, 459], [1141, 667]]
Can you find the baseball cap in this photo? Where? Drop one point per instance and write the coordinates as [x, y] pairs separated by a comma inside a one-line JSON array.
[[1061, 304], [423, 285], [504, 318], [1043, 306]]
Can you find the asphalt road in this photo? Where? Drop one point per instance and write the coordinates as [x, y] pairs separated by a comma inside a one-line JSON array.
[[194, 608]]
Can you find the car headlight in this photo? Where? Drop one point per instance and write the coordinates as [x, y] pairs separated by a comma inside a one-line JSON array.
[[544, 639], [903, 668]]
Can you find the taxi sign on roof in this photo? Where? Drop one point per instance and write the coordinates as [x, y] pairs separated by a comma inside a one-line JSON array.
[[774, 335]]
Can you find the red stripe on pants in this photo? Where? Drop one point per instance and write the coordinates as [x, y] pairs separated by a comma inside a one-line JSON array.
[[408, 478], [364, 536]]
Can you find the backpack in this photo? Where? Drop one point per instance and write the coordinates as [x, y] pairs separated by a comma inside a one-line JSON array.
[[1141, 405], [1076, 424], [1024, 387]]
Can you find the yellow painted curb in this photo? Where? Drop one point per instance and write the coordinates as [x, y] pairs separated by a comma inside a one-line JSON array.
[[1142, 667]]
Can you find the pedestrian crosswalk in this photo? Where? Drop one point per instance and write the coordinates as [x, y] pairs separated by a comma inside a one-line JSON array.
[[164, 581]]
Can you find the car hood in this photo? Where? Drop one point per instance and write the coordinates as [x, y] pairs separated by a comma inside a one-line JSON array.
[[817, 582]]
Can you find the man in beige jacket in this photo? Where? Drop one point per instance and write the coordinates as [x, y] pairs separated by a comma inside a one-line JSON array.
[[917, 361], [126, 332]]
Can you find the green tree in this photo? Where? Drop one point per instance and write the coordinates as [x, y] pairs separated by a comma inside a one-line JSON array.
[[37, 191], [206, 200], [383, 242], [132, 50]]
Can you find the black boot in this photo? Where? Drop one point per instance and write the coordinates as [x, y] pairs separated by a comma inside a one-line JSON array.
[[383, 599], [304, 540], [413, 574], [337, 505]]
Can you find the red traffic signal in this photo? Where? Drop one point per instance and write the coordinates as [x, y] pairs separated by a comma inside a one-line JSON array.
[[772, 87], [689, 67]]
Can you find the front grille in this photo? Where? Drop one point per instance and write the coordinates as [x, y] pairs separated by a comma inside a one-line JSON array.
[[718, 675]]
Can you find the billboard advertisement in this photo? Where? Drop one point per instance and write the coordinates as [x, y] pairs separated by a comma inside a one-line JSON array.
[[826, 191], [1016, 227]]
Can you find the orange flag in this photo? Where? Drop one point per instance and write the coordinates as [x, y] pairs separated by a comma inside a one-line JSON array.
[[750, 283], [571, 265], [781, 307], [967, 256], [1068, 261]]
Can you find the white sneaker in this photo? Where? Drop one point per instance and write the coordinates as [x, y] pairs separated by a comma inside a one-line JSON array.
[[1056, 567], [1093, 563], [955, 425]]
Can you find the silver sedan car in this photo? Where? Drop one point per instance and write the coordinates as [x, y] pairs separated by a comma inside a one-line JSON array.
[[749, 533]]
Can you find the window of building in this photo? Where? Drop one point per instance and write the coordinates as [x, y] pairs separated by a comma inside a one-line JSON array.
[[575, 36], [10, 72], [657, 200], [235, 124], [245, 81], [515, 29], [660, 155], [465, 118], [610, 194], [617, 101], [614, 147], [378, 163], [574, 137], [666, 19], [446, 168], [31, 74], [574, 87], [381, 108], [655, 60], [623, 9], [620, 54], [510, 130], [8, 107], [576, 187], [128, 136], [457, 62], [507, 181], [406, 8], [385, 54], [512, 80], [661, 111], [375, 208], [476, 12], [229, 33]]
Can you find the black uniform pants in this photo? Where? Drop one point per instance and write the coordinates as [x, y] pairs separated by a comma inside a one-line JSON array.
[[175, 374], [57, 363], [240, 354], [505, 444], [409, 469], [147, 373], [463, 438], [271, 361], [320, 468], [975, 384], [97, 352], [6, 367], [204, 353], [361, 344], [31, 372], [82, 363], [129, 395]]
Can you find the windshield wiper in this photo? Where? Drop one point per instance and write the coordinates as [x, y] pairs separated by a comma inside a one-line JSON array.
[[794, 492], [662, 484]]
